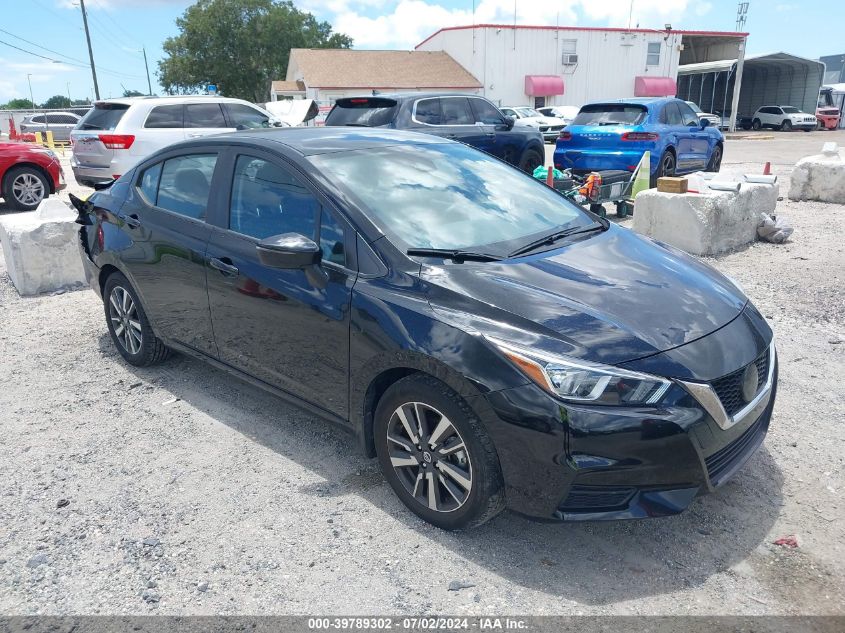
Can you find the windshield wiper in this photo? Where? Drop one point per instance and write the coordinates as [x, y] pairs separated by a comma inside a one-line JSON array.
[[456, 255], [554, 237]]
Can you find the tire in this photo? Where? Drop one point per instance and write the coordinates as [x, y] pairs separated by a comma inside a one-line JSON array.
[[806, 129], [133, 337], [666, 167], [530, 160], [786, 126], [756, 125], [468, 489], [599, 210], [715, 162], [24, 188]]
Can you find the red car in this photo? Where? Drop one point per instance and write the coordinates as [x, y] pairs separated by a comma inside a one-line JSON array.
[[28, 174]]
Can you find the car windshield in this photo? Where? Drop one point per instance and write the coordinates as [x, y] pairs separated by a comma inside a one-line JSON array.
[[694, 106], [790, 110], [528, 112], [610, 114], [448, 196]]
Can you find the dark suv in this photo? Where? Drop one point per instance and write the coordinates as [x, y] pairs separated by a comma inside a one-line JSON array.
[[466, 118]]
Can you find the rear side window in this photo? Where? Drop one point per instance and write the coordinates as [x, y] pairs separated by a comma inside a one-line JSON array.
[[204, 115], [103, 116], [268, 200], [485, 112], [363, 111], [38, 119], [245, 118], [455, 111], [610, 114], [428, 111], [168, 116], [185, 184]]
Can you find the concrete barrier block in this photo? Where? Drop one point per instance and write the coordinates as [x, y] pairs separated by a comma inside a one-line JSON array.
[[40, 248], [820, 177], [707, 223]]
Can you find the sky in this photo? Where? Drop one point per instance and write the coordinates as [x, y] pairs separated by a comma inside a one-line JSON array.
[[121, 28]]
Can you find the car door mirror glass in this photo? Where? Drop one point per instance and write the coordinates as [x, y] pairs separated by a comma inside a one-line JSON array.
[[509, 122], [288, 251], [704, 123]]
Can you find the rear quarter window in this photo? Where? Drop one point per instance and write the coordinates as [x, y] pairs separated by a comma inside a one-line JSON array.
[[103, 116], [611, 114], [363, 111]]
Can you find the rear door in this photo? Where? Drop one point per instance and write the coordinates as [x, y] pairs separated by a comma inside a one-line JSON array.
[[204, 119], [457, 121], [164, 219], [289, 328], [89, 149]]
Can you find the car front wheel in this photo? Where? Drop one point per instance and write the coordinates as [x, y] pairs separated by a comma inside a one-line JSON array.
[[756, 125], [786, 126], [715, 159], [24, 188], [436, 455], [531, 160], [128, 325]]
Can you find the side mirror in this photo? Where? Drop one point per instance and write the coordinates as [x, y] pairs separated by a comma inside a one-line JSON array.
[[509, 122], [704, 123], [288, 251]]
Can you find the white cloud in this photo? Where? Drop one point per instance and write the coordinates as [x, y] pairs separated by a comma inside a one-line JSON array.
[[703, 8], [7, 92]]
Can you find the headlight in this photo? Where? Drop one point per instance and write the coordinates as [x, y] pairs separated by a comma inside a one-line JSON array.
[[582, 381]]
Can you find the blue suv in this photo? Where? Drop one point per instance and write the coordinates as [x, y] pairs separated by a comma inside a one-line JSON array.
[[469, 119], [614, 135]]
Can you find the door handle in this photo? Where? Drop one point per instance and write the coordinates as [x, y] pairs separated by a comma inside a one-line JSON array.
[[194, 135], [223, 266], [131, 221]]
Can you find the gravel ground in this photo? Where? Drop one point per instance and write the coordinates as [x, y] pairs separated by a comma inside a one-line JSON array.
[[180, 490]]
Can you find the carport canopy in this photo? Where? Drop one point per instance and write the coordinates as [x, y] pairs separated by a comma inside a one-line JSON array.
[[774, 79]]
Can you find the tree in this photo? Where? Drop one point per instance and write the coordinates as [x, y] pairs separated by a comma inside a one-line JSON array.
[[18, 104], [240, 46], [56, 101], [133, 93], [81, 102]]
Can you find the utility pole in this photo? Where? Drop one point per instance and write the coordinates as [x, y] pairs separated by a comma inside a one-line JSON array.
[[149, 85], [70, 101], [90, 51], [29, 81]]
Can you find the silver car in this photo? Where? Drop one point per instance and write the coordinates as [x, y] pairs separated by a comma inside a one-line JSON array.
[[59, 123]]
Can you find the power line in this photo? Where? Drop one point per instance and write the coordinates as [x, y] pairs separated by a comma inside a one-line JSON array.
[[67, 63], [49, 50]]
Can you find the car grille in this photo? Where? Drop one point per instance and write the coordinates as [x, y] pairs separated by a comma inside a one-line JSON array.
[[583, 498], [721, 463], [729, 388], [808, 119]]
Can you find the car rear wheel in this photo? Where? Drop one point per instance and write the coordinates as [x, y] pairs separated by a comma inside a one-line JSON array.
[[786, 126], [531, 160], [436, 455], [666, 167], [715, 159], [128, 324], [24, 188], [756, 125]]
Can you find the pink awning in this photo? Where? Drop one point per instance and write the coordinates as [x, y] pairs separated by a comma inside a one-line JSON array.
[[543, 85], [654, 87]]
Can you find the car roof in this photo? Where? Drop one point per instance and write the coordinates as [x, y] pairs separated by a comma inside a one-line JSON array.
[[643, 101], [174, 99], [310, 141], [403, 96]]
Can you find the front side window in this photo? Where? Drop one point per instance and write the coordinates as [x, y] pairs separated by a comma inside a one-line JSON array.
[[148, 184], [485, 112], [690, 118], [268, 200], [204, 115], [653, 57], [455, 111], [167, 116], [447, 195], [332, 242], [245, 118], [428, 111], [185, 184]]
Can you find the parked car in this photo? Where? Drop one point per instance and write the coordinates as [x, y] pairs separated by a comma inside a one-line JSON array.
[[715, 121], [117, 133], [616, 134], [549, 127], [784, 118], [465, 118], [59, 123], [28, 174], [564, 113], [492, 343]]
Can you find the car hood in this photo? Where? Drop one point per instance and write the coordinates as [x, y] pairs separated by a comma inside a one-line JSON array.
[[609, 297], [545, 120]]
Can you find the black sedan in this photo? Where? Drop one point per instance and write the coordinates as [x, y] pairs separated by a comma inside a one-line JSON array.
[[492, 343]]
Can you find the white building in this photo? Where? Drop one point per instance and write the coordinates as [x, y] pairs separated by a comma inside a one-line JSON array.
[[551, 65]]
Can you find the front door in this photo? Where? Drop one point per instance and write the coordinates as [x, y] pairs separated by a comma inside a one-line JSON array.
[[288, 328], [699, 138], [164, 220]]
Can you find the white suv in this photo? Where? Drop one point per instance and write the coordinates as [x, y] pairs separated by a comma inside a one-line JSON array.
[[784, 118], [115, 134]]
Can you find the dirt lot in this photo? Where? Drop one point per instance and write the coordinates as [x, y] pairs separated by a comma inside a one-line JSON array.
[[181, 490]]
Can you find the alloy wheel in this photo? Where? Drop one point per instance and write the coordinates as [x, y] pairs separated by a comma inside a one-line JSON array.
[[28, 189], [124, 320], [667, 166], [429, 456]]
